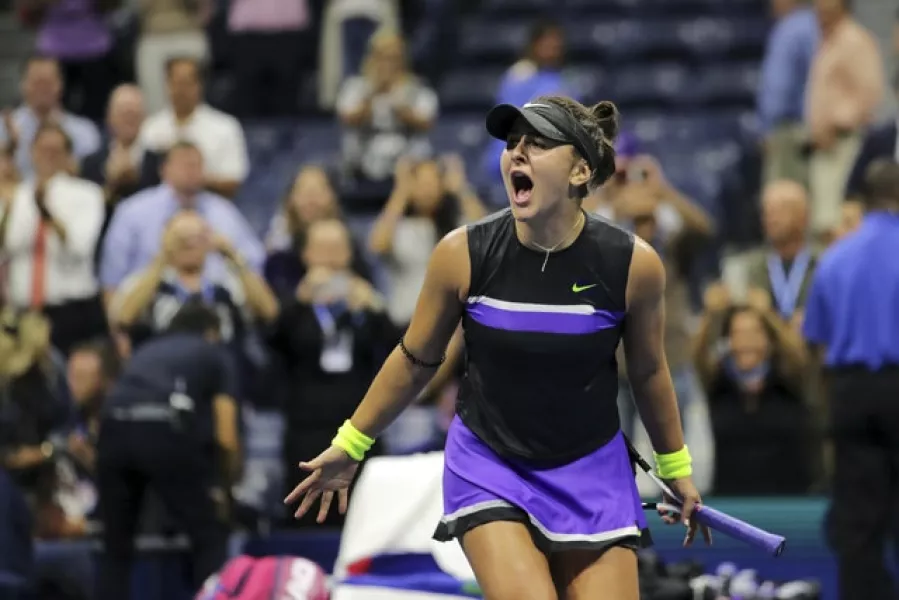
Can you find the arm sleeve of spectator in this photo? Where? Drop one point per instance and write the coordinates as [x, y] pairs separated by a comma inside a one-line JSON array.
[[86, 138], [816, 325], [351, 95], [83, 230], [234, 164], [775, 81], [869, 73], [226, 373], [426, 103], [115, 260]]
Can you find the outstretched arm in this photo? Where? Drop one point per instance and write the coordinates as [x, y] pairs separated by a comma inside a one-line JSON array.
[[433, 323]]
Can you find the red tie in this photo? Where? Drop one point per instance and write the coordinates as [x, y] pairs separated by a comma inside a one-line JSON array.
[[39, 266]]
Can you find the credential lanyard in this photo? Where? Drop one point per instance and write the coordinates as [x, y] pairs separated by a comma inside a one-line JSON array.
[[207, 291], [337, 348], [786, 286]]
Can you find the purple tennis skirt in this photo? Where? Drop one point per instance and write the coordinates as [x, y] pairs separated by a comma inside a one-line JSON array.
[[590, 503]]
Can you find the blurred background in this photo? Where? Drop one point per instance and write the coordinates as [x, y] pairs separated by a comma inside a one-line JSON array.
[[329, 146]]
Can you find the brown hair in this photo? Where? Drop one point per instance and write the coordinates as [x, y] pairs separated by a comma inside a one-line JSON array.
[[601, 122], [53, 127], [295, 227]]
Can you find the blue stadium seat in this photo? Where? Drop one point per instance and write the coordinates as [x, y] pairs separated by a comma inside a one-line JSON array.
[[316, 140], [588, 82], [500, 41], [265, 139], [660, 84], [469, 89], [462, 134], [517, 7], [726, 84], [592, 7], [683, 128], [718, 37], [624, 39], [731, 7]]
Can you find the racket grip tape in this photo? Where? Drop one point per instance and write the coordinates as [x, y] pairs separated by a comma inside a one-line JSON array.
[[771, 543]]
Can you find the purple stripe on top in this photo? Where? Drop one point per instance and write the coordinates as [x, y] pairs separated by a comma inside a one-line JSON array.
[[542, 322]]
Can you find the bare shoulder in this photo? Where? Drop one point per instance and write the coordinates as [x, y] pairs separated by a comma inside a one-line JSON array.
[[450, 263], [646, 278]]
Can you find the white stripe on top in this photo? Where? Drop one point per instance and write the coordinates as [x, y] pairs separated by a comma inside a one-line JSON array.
[[569, 309]]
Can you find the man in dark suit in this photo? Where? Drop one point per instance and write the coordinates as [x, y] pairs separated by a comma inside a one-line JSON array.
[[881, 141], [122, 166]]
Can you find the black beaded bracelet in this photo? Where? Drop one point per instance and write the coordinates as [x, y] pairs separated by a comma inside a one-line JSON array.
[[417, 361]]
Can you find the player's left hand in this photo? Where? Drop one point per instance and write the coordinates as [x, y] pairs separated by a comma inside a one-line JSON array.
[[689, 499]]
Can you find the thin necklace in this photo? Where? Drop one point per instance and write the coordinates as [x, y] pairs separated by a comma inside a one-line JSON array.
[[562, 241]]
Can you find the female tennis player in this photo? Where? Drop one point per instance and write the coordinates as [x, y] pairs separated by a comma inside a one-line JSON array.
[[538, 482]]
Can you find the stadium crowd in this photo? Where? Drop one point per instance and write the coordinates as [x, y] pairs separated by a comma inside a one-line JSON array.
[[118, 176]]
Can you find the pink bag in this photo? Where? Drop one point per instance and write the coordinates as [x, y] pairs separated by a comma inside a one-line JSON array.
[[267, 578]]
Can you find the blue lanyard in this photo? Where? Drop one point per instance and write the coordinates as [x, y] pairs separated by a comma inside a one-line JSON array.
[[325, 320], [207, 292], [786, 286]]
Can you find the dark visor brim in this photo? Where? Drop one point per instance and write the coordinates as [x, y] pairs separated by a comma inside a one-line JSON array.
[[502, 117]]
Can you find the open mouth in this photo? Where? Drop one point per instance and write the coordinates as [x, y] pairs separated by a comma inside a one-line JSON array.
[[522, 186]]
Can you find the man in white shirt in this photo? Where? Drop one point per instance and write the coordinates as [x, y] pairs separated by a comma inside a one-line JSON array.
[[49, 231], [218, 135]]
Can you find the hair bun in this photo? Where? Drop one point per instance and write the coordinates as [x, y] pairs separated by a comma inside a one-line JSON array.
[[607, 114]]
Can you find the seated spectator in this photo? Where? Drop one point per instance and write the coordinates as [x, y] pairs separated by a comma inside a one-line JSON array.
[[428, 201], [345, 31], [147, 301], [91, 371], [123, 166], [639, 181], [42, 88], [784, 269], [136, 230], [537, 73], [386, 113], [754, 382], [218, 135], [168, 29], [32, 417], [272, 47], [333, 336], [50, 234], [310, 198], [16, 546], [78, 35]]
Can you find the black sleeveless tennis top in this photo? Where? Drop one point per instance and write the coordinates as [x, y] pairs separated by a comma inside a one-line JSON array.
[[541, 379]]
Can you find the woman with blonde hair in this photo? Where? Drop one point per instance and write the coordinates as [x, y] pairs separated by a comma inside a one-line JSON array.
[[386, 112]]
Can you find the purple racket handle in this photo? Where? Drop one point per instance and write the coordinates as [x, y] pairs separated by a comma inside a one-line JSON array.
[[771, 543]]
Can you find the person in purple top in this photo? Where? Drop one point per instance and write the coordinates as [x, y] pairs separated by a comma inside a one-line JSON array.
[[76, 33]]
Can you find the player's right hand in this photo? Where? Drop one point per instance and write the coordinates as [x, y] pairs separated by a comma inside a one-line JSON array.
[[331, 471]]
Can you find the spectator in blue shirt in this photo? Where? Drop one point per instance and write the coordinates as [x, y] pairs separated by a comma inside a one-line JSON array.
[[537, 73], [853, 313], [42, 88], [133, 239], [781, 94]]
